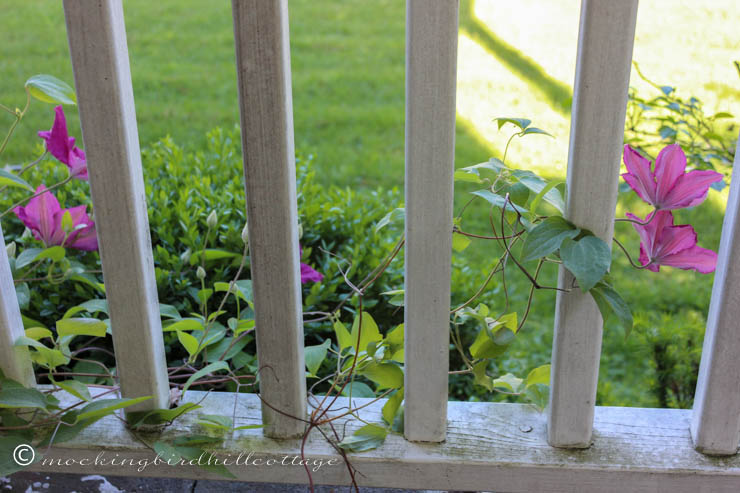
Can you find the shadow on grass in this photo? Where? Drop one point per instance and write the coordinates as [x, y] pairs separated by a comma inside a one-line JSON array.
[[558, 95]]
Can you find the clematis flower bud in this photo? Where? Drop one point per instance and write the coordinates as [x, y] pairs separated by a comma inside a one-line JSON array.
[[200, 273], [245, 233], [212, 220], [10, 248]]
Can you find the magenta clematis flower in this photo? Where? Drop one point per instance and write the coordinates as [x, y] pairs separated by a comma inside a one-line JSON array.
[[662, 243], [43, 216], [62, 146], [668, 186], [308, 273]]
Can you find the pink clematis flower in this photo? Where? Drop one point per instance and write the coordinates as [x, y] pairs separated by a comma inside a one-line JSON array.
[[62, 146], [668, 186], [308, 273], [43, 216], [662, 243]]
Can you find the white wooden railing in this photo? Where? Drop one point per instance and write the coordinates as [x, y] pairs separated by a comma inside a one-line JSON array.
[[463, 446]]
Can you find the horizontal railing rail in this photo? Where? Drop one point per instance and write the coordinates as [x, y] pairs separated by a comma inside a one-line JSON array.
[[488, 446]]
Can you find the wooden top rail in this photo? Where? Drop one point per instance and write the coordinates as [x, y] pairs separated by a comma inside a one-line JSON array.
[[715, 426], [597, 130], [266, 109], [431, 71], [489, 447], [97, 44]]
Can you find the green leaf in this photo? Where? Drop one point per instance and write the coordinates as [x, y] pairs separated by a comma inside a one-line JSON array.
[[537, 184], [344, 339], [509, 383], [541, 374], [10, 180], [212, 254], [481, 377], [27, 257], [49, 89], [395, 336], [522, 123], [167, 452], [77, 389], [366, 438], [358, 389], [483, 347], [23, 294], [368, 334], [189, 342], [248, 427], [535, 130], [168, 311], [185, 324], [211, 368], [8, 443], [390, 408], [160, 416], [397, 295], [609, 302], [315, 355], [94, 306], [21, 397], [386, 375], [226, 345], [466, 176], [103, 407], [541, 194], [722, 114], [215, 421], [398, 214], [498, 200], [588, 259], [81, 327], [55, 253], [538, 394], [547, 237], [460, 242], [37, 333]]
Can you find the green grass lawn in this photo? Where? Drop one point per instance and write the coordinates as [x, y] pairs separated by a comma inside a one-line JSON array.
[[348, 90]]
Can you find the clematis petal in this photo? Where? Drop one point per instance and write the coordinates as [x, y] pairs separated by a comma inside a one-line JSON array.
[[690, 189], [308, 273], [639, 176], [697, 258], [58, 141], [40, 217], [646, 238], [84, 239], [78, 164], [673, 239], [669, 166], [645, 260]]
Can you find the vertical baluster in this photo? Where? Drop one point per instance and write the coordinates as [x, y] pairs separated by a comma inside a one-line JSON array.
[[14, 360], [715, 424], [431, 69], [97, 42], [597, 129], [263, 72]]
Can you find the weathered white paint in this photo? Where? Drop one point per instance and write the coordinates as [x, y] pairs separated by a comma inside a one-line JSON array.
[[715, 425], [14, 360], [431, 68], [263, 69], [597, 127], [97, 42], [489, 447]]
